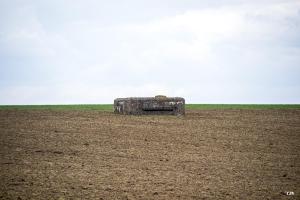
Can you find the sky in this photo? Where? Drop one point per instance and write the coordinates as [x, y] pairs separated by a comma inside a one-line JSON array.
[[93, 51]]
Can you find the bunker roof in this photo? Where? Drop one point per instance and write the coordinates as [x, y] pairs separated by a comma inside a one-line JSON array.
[[151, 98]]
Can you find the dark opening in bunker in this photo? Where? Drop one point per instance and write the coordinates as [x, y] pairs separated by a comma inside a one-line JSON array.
[[158, 109], [156, 106]]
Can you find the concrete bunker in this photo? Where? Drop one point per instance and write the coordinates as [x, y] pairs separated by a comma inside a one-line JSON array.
[[158, 105]]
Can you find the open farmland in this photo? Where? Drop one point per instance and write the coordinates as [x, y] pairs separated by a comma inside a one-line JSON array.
[[84, 153]]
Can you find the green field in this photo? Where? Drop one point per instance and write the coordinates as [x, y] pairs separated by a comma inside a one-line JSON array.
[[109, 107], [242, 106], [104, 107]]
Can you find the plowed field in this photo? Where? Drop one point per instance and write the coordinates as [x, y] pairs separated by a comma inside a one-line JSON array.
[[211, 154]]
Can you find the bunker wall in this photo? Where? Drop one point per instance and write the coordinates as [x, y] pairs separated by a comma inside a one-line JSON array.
[[150, 106]]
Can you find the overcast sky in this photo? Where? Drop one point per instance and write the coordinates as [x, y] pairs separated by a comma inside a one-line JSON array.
[[92, 51]]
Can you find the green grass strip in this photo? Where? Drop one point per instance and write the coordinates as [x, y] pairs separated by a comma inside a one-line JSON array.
[[109, 107], [102, 107], [241, 106]]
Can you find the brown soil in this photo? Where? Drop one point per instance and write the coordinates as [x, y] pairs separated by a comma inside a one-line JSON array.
[[214, 154]]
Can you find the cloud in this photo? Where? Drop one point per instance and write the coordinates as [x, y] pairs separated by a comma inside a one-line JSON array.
[[236, 52]]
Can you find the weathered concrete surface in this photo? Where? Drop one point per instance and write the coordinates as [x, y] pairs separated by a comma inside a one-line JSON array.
[[158, 105]]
